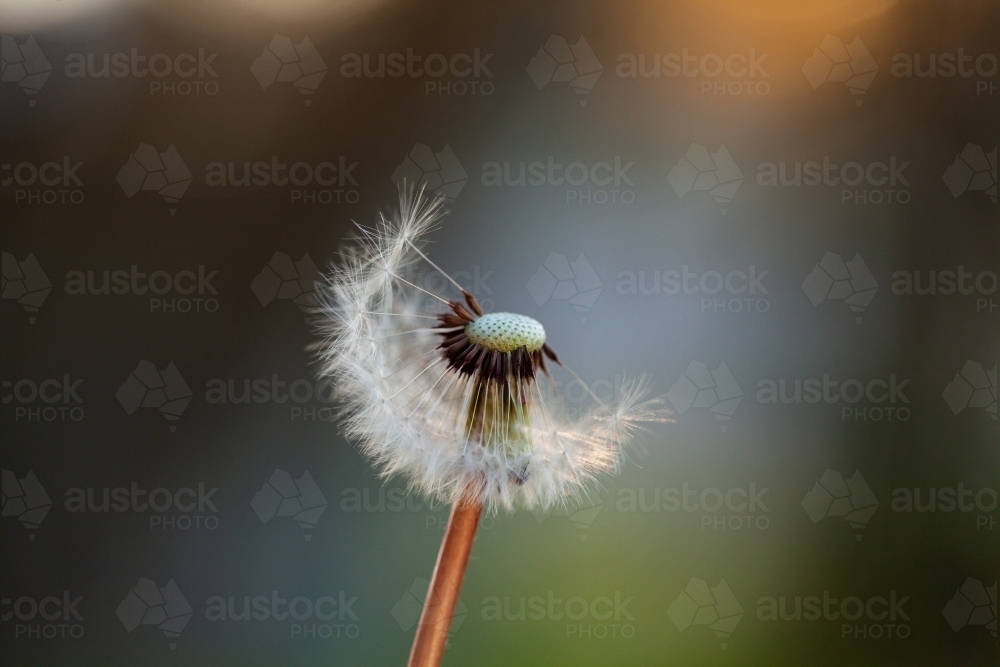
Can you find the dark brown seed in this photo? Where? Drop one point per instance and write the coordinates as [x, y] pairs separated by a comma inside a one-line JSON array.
[[473, 304]]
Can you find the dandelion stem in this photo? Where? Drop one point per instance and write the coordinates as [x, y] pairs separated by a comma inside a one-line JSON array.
[[442, 595]]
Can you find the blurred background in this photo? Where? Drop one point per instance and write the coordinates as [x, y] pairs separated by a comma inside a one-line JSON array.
[[786, 212]]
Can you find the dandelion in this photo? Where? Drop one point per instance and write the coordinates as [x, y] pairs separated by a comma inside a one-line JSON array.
[[460, 402]]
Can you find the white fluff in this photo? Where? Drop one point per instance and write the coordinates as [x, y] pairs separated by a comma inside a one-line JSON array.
[[408, 412]]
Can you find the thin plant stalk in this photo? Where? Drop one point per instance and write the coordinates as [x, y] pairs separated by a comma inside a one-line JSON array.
[[442, 595]]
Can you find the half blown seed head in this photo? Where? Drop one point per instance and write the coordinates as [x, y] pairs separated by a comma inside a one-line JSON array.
[[459, 401]]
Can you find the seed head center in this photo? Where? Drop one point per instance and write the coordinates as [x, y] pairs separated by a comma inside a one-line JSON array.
[[506, 332]]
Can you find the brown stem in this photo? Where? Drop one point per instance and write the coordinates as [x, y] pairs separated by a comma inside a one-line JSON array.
[[435, 619]]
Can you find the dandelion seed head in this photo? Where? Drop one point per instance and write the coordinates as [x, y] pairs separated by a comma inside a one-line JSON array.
[[460, 402]]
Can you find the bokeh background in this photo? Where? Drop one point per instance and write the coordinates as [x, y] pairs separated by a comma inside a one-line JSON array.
[[882, 494]]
